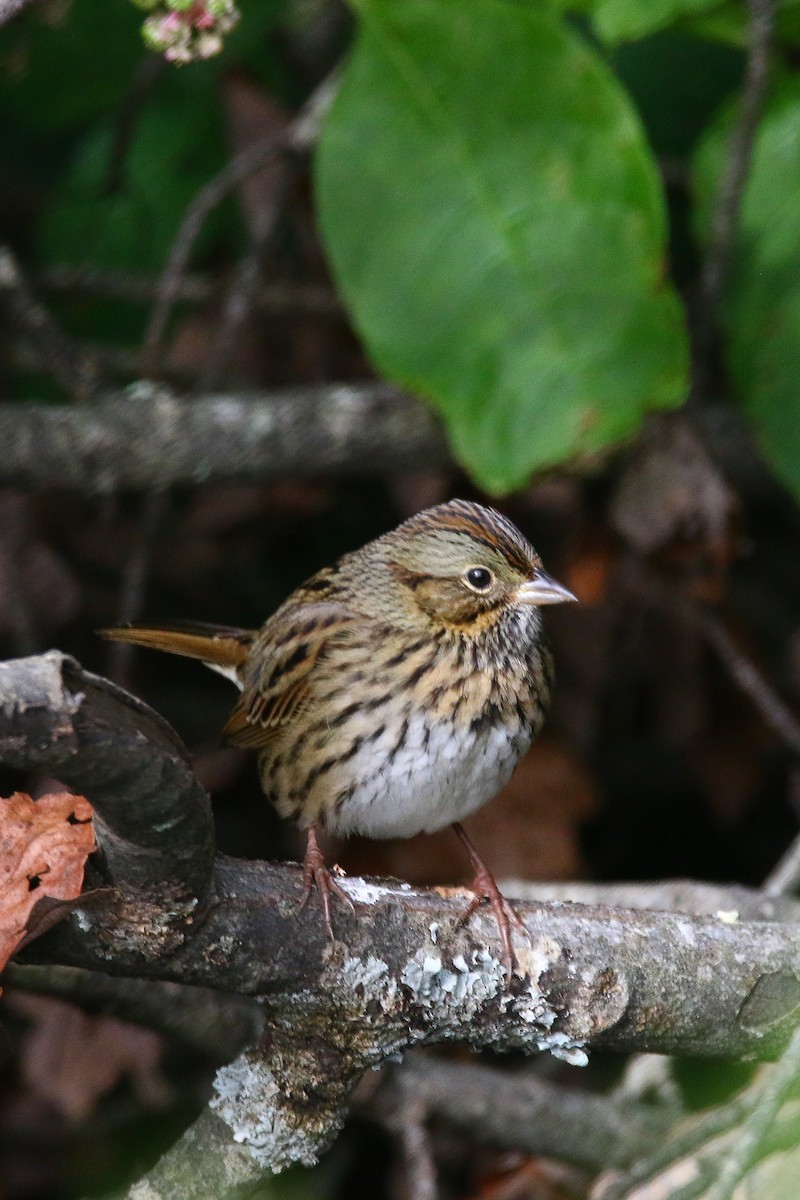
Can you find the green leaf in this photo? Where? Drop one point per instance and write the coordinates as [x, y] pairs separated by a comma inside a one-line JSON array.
[[627, 20], [131, 223], [763, 310], [496, 225], [40, 84]]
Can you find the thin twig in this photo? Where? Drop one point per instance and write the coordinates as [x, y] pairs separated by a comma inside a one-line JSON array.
[[774, 1092], [419, 1169], [210, 195], [274, 298], [300, 134], [689, 1176], [75, 370], [145, 76], [710, 1125], [243, 289], [728, 204], [134, 580], [297, 138], [784, 878], [777, 715]]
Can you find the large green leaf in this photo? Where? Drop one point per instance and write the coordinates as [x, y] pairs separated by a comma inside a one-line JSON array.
[[624, 20], [763, 310], [496, 226]]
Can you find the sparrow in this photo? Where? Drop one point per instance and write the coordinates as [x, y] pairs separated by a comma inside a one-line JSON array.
[[394, 692]]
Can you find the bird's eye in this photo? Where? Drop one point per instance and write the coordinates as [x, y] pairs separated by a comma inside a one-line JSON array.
[[479, 579]]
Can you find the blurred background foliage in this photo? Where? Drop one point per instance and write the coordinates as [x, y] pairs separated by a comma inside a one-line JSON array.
[[510, 211]]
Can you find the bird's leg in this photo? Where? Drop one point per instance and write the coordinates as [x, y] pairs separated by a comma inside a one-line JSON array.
[[485, 888], [315, 873]]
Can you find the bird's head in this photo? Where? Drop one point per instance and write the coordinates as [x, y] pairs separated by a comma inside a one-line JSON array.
[[463, 565]]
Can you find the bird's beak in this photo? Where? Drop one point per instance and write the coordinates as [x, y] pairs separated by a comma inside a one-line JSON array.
[[543, 589]]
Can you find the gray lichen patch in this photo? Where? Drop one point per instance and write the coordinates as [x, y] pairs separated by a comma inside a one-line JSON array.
[[470, 998], [370, 978], [249, 1101]]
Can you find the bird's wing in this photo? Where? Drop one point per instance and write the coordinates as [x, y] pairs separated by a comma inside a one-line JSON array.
[[276, 687]]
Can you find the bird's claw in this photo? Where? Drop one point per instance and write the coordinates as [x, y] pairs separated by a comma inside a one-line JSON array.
[[316, 874]]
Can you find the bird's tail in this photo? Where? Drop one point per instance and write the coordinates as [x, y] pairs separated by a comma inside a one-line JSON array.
[[220, 647]]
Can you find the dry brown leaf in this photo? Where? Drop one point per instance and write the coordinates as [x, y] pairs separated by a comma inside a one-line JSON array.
[[71, 1059], [44, 845]]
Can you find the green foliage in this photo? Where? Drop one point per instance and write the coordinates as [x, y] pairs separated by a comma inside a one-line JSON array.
[[131, 223], [119, 165], [495, 222], [626, 20], [677, 83], [70, 68], [488, 193], [763, 314]]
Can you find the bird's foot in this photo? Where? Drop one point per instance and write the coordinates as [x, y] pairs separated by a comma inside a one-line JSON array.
[[316, 874], [485, 888]]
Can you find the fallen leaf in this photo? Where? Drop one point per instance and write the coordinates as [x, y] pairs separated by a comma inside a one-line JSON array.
[[44, 845], [71, 1059]]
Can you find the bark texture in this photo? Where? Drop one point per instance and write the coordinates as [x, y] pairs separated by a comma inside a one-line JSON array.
[[720, 978], [146, 437]]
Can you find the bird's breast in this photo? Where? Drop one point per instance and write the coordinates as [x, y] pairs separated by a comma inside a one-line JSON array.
[[402, 739], [436, 774]]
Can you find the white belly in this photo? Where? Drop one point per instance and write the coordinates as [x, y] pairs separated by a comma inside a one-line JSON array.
[[428, 782]]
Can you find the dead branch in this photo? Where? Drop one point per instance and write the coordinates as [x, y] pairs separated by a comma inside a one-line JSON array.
[[147, 438], [740, 152], [72, 367], [752, 1135], [403, 971], [730, 195], [777, 715], [10, 8], [153, 817], [519, 1110], [299, 137], [276, 297]]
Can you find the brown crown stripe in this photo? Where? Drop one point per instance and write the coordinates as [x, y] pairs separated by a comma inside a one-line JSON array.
[[483, 525]]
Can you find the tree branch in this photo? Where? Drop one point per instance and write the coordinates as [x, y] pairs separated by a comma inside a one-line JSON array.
[[153, 820], [69, 364], [754, 1131], [146, 438], [403, 971], [276, 297], [10, 8], [740, 151], [299, 137], [518, 1110], [730, 194]]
